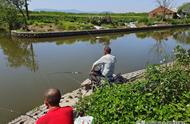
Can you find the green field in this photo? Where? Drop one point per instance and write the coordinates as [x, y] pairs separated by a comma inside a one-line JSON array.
[[60, 21], [71, 21]]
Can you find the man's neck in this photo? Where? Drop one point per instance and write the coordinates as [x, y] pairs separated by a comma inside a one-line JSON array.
[[107, 54], [53, 107]]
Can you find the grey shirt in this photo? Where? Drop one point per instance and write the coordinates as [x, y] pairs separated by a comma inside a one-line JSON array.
[[108, 61]]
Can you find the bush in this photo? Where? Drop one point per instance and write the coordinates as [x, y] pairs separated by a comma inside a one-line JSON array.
[[162, 95], [178, 21], [86, 26], [68, 25]]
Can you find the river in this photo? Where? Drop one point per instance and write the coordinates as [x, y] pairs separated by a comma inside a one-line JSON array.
[[29, 66]]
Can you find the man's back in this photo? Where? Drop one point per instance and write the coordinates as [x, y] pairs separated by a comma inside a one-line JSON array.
[[109, 65], [108, 62], [58, 115]]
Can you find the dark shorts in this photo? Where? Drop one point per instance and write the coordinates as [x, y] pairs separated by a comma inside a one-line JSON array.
[[95, 76]]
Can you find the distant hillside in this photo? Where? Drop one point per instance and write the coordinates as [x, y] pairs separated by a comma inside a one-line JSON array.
[[69, 11]]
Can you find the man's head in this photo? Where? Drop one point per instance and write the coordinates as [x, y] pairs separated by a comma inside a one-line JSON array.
[[52, 97], [107, 50]]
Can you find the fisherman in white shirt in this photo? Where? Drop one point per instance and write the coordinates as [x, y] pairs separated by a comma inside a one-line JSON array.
[[106, 65]]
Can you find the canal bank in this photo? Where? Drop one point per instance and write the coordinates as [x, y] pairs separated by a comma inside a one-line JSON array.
[[20, 34], [68, 99]]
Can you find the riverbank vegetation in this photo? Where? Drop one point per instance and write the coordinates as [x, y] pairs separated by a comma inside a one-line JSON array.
[[70, 21], [14, 15], [59, 21], [163, 95]]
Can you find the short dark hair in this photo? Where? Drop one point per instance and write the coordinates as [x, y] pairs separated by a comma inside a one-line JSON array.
[[107, 49], [53, 96]]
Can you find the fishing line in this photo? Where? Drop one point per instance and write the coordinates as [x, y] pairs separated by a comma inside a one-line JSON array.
[[90, 34], [67, 74], [44, 78], [13, 111], [20, 113], [74, 79], [54, 73]]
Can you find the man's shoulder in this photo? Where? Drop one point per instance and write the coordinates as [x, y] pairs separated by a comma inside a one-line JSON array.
[[108, 55], [112, 56], [67, 108], [42, 119]]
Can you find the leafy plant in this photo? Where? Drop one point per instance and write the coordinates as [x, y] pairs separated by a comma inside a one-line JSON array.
[[162, 95]]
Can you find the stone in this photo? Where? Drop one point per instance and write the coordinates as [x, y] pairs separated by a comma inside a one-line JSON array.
[[86, 82]]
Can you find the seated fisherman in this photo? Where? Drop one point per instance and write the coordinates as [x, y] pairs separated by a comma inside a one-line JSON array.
[[55, 114], [106, 65]]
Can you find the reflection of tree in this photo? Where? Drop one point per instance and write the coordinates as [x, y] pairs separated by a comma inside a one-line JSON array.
[[159, 48], [159, 51], [157, 35], [19, 53], [182, 36]]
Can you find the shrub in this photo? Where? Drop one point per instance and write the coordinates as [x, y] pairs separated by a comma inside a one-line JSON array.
[[68, 25], [162, 95], [86, 26]]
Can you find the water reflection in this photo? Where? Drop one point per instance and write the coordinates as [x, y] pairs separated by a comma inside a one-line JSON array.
[[159, 48], [181, 35], [19, 54], [92, 39]]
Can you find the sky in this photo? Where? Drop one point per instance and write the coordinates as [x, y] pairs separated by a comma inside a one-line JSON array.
[[118, 6]]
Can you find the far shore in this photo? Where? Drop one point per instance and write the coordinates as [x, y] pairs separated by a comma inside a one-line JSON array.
[[22, 34]]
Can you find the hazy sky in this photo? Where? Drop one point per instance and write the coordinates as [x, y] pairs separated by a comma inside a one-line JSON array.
[[100, 5]]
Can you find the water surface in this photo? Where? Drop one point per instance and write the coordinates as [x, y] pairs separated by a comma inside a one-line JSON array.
[[29, 66]]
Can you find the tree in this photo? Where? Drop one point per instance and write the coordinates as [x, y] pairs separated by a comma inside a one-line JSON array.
[[166, 4], [8, 14], [9, 10], [19, 4], [22, 6], [184, 9], [26, 9]]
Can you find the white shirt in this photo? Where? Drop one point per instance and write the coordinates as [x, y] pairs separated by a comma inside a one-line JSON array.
[[108, 62]]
